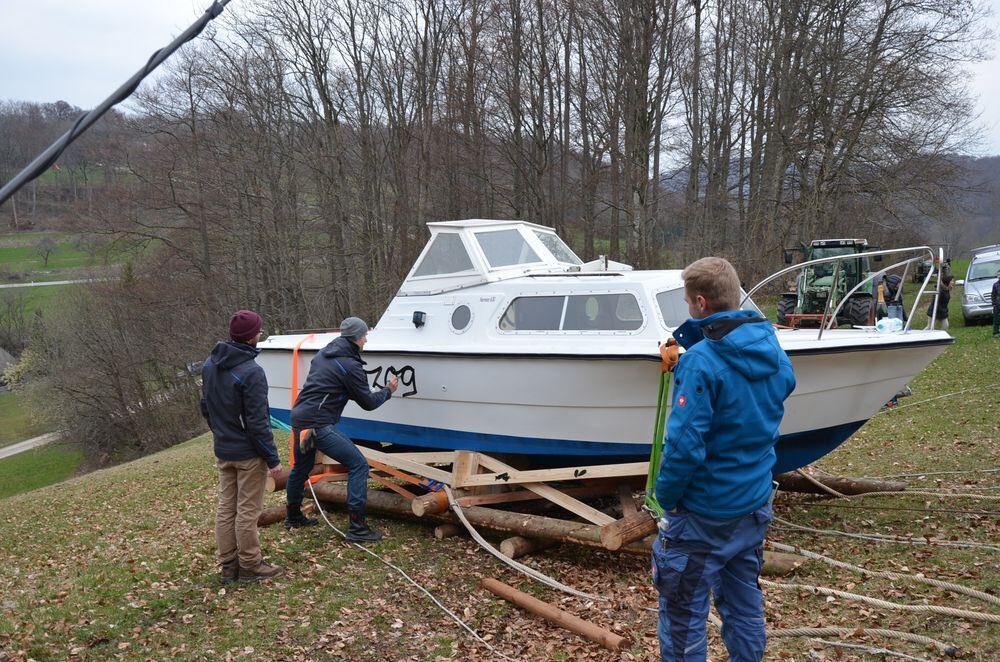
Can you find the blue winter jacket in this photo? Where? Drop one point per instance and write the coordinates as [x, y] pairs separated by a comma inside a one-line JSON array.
[[234, 402], [729, 393], [336, 375]]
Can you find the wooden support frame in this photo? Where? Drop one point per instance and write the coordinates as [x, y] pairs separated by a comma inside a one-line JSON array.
[[511, 476]]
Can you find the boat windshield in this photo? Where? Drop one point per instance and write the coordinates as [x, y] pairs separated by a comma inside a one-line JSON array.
[[557, 247], [446, 255], [984, 269], [505, 248], [674, 310]]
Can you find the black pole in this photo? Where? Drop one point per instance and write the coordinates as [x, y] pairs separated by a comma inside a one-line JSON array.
[[45, 160]]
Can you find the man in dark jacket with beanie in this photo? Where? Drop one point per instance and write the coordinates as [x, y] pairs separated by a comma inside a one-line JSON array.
[[715, 478], [234, 402], [336, 375]]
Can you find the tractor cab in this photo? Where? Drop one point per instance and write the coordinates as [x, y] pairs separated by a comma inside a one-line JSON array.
[[816, 285]]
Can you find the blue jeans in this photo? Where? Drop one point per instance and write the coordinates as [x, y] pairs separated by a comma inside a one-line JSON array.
[[339, 447], [697, 556]]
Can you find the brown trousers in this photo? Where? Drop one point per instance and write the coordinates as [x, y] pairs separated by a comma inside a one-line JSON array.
[[241, 498]]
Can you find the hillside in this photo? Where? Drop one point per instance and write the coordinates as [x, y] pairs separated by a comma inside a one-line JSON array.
[[119, 563]]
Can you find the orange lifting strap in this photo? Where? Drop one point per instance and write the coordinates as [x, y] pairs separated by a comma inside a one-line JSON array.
[[295, 396]]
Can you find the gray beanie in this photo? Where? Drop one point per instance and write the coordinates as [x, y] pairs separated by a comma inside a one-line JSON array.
[[353, 328]]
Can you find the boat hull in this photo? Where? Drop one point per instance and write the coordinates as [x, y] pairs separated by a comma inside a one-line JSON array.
[[587, 408]]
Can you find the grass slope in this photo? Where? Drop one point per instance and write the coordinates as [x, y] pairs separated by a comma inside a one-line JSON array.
[[119, 562], [16, 421]]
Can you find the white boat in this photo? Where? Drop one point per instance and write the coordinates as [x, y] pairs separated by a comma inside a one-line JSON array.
[[505, 342]]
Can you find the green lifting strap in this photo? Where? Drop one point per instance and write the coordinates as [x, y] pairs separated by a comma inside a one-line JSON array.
[[656, 454]]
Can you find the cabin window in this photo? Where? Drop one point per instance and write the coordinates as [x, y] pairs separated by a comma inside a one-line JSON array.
[[673, 308], [460, 318], [602, 312], [505, 248], [446, 255], [584, 312], [557, 247], [533, 314]]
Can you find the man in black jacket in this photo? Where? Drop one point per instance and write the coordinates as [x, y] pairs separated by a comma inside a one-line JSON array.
[[336, 375], [996, 307], [234, 402]]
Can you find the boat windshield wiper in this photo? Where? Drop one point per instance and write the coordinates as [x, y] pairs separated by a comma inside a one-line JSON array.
[[45, 160]]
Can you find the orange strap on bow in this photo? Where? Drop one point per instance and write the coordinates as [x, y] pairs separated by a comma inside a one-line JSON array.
[[670, 354], [295, 395]]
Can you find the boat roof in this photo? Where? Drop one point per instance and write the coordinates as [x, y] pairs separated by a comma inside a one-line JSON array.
[[470, 252]]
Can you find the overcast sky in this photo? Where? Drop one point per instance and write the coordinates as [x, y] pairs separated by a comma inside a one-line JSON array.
[[80, 52]]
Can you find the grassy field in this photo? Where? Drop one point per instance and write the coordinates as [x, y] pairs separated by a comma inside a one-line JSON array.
[[16, 421], [38, 467], [121, 564]]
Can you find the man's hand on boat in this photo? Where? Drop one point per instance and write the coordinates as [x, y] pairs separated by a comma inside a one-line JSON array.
[[392, 384]]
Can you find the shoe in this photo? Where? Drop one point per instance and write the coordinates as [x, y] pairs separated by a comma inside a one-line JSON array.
[[264, 570], [295, 519], [359, 531], [230, 571]]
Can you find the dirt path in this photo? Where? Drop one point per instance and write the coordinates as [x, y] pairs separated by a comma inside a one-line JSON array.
[[28, 444]]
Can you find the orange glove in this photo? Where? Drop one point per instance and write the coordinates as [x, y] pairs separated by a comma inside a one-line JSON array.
[[670, 353]]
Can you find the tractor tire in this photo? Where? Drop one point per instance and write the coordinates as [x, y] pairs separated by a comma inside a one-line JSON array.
[[786, 307], [860, 310]]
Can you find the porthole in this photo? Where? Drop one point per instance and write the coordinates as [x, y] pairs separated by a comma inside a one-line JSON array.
[[460, 318]]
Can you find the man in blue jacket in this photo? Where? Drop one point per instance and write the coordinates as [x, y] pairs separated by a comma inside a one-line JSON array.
[[336, 375], [234, 402], [715, 478]]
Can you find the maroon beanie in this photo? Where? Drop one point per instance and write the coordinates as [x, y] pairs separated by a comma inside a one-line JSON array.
[[244, 325]]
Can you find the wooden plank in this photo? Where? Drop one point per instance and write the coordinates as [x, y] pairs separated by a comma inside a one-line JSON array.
[[439, 475], [628, 503], [465, 466], [527, 495], [515, 476], [432, 457], [576, 506]]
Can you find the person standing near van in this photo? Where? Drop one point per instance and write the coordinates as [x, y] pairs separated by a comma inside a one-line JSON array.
[[996, 306]]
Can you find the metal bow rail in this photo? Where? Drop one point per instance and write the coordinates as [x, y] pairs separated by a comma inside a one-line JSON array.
[[828, 320]]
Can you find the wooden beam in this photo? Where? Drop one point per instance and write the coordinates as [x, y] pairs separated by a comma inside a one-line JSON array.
[[439, 475], [628, 503], [516, 476], [576, 506], [431, 457], [465, 466], [527, 495], [553, 614]]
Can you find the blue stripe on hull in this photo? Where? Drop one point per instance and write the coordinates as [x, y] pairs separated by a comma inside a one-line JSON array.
[[793, 450]]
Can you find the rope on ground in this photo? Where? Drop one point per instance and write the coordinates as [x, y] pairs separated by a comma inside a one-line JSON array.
[[898, 540], [991, 470], [405, 576], [813, 633], [889, 574], [937, 397], [939, 495], [528, 570], [871, 650], [885, 604]]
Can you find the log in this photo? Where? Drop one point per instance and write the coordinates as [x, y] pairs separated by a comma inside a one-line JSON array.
[[628, 529], [275, 483], [442, 531], [517, 546], [430, 503], [530, 526], [278, 514], [553, 614], [794, 482]]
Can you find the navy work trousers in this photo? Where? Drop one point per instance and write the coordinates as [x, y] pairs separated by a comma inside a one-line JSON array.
[[339, 447], [697, 556]]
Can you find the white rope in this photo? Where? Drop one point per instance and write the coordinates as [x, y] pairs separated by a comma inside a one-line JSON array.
[[888, 539], [937, 397], [871, 650], [991, 470], [888, 574], [405, 576], [528, 570]]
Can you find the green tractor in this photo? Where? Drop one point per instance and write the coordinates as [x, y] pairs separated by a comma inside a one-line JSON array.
[[806, 305]]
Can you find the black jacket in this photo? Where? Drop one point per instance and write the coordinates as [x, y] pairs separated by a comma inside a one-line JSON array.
[[336, 375], [234, 402], [943, 299], [996, 295]]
